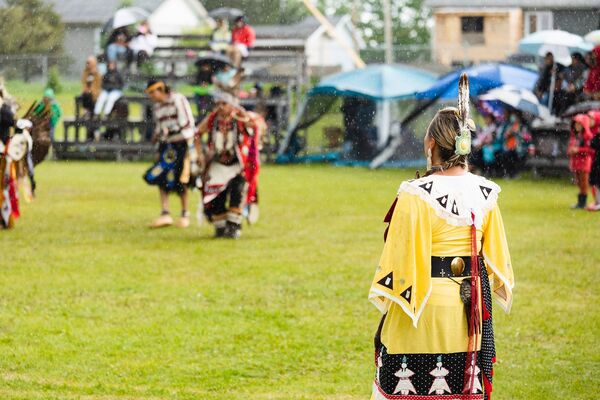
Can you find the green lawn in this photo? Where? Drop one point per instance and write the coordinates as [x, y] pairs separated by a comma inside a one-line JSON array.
[[93, 305]]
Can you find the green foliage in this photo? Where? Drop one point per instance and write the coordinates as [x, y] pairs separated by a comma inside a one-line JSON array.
[[30, 26], [54, 80], [409, 19], [97, 306], [125, 3], [264, 12]]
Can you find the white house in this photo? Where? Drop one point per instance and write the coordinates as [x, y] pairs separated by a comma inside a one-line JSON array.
[[323, 53]]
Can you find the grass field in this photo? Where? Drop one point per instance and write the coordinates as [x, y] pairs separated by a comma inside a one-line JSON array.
[[93, 305]]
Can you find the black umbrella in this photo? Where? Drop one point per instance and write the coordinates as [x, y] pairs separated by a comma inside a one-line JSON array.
[[226, 13], [216, 60], [581, 108]]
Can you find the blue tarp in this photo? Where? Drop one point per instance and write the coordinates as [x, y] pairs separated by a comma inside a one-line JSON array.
[[376, 82], [482, 78]]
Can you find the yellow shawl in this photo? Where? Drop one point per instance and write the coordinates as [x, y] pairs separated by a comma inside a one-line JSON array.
[[403, 275]]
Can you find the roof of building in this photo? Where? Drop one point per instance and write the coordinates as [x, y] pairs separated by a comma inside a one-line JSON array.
[[547, 4], [299, 30]]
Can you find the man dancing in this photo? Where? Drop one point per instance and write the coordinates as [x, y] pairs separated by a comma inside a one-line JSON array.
[[232, 164], [174, 132]]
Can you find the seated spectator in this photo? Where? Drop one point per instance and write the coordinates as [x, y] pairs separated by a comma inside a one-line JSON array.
[[221, 37], [142, 45], [91, 84], [591, 88], [118, 46], [575, 75], [229, 79], [112, 90], [242, 38]]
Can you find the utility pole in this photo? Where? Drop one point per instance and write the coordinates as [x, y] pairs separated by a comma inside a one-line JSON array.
[[387, 32]]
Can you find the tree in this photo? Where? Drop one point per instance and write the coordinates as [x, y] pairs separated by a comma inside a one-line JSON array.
[[30, 26], [410, 19]]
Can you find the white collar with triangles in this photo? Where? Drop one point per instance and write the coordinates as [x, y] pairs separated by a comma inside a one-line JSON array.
[[455, 197]]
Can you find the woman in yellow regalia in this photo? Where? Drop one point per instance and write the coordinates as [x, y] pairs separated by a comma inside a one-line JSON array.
[[445, 254]]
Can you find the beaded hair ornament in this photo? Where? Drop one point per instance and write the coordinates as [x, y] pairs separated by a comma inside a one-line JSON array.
[[465, 123]]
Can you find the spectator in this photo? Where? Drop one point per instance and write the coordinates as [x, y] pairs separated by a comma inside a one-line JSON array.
[[547, 70], [221, 37], [112, 90], [514, 148], [595, 171], [91, 84], [142, 45], [118, 46], [574, 77], [592, 84], [580, 156], [242, 38], [229, 79], [49, 102], [483, 151]]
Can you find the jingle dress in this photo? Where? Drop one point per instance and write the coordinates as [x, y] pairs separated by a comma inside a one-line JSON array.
[[423, 340]]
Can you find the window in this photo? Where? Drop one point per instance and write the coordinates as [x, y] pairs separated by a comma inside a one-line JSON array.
[[538, 21], [472, 30]]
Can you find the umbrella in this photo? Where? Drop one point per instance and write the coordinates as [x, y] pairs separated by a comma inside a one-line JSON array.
[[560, 43], [520, 99], [377, 82], [581, 108], [226, 13], [216, 60], [593, 37], [482, 78], [128, 16]]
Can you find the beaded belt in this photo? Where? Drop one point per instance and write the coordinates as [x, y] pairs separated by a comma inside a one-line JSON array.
[[444, 267]]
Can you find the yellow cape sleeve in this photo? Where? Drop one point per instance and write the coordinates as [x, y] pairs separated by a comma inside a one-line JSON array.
[[404, 272], [497, 258]]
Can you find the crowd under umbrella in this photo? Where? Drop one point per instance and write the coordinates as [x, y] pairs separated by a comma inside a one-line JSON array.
[[560, 43], [519, 99], [381, 84]]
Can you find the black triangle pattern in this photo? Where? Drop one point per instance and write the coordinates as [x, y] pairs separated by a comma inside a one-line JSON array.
[[387, 281], [443, 200], [486, 191], [454, 208], [427, 186], [407, 294]]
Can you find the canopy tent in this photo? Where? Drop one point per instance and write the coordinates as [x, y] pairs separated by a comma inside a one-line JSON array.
[[482, 78], [365, 93]]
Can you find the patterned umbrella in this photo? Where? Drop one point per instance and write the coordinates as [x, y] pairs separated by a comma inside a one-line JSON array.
[[518, 98]]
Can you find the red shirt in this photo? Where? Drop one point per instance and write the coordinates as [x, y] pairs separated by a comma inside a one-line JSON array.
[[244, 35]]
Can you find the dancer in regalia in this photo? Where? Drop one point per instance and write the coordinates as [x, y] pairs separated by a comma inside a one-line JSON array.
[[232, 164], [445, 253], [174, 132]]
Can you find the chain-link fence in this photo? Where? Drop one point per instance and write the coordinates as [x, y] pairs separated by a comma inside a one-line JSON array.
[[31, 67]]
